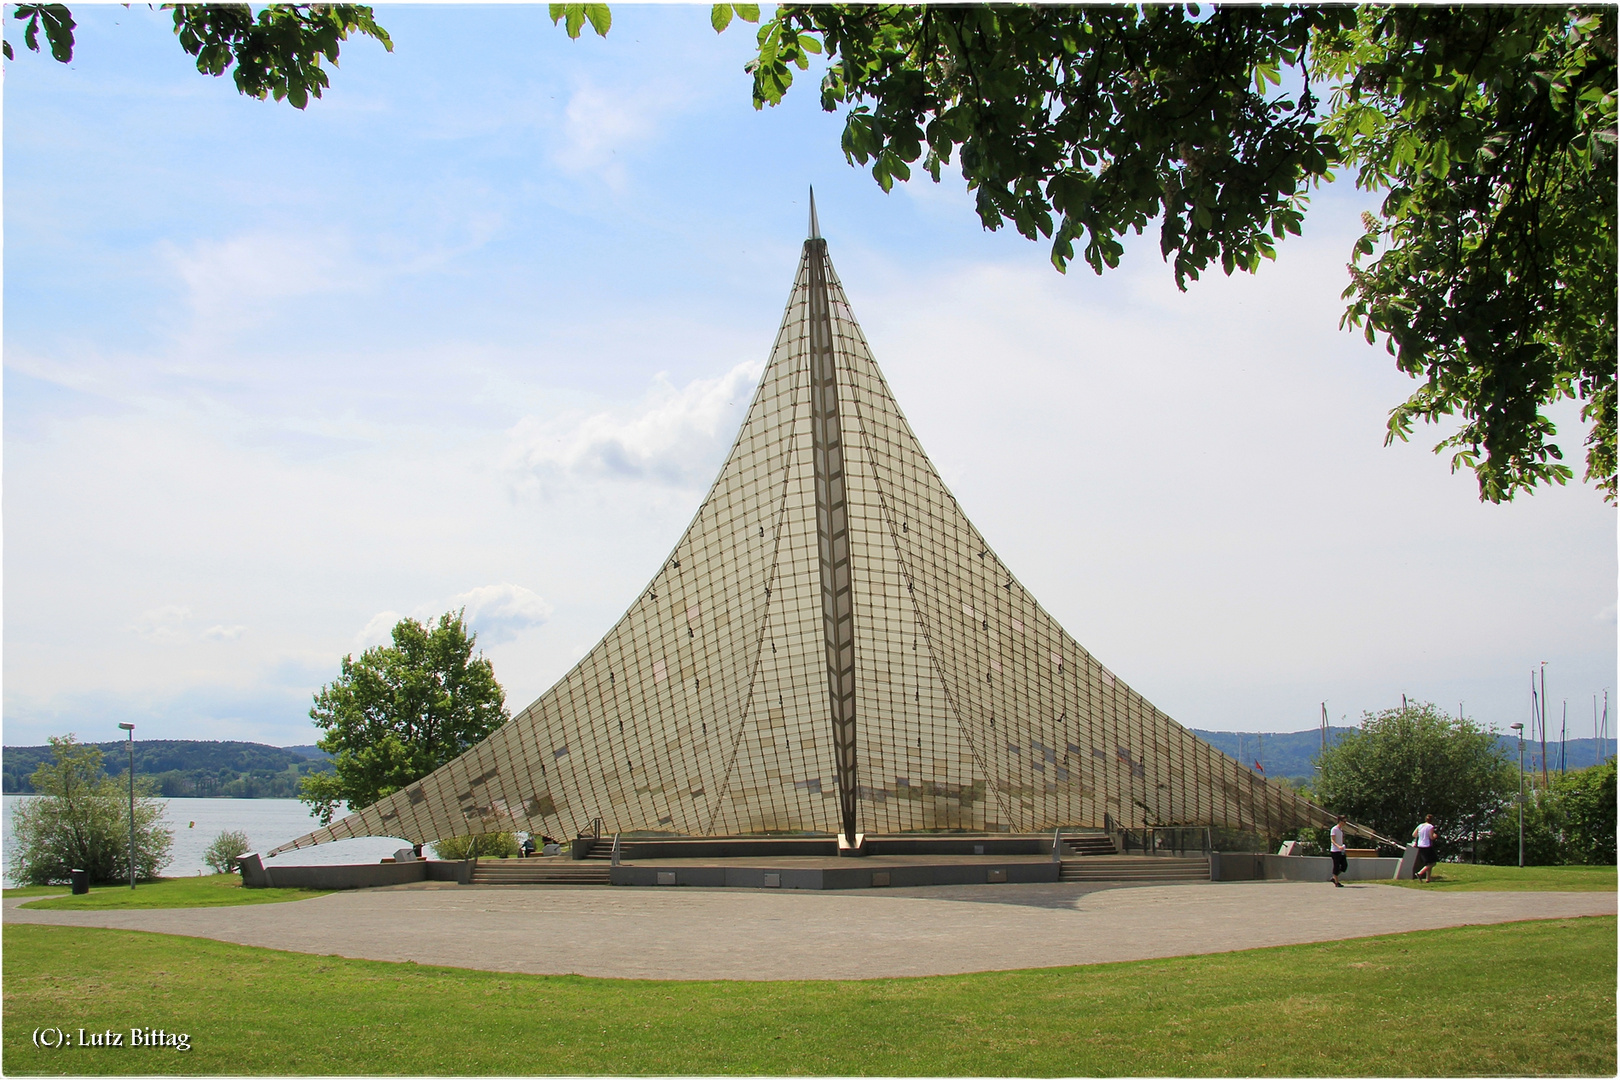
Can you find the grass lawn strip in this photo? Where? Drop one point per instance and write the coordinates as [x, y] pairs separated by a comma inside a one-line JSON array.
[[214, 890], [1518, 998], [1467, 877]]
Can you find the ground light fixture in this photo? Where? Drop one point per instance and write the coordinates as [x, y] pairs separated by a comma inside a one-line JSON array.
[[1519, 730], [131, 729]]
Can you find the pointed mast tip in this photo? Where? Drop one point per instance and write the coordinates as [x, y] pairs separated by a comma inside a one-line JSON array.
[[815, 229]]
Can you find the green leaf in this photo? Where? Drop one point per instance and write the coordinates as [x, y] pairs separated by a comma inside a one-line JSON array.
[[720, 17]]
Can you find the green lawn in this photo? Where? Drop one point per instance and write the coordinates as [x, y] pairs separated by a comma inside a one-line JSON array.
[[1520, 999], [215, 890], [1465, 877]]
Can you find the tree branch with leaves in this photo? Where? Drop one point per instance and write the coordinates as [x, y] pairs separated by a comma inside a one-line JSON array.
[[278, 53], [1489, 271]]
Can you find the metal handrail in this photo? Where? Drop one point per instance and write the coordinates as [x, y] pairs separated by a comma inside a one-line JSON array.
[[1151, 844]]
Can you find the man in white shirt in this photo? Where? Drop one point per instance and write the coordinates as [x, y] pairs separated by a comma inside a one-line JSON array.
[[1426, 856], [1341, 861]]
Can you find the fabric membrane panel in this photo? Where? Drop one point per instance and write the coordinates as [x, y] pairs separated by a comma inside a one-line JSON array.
[[707, 710]]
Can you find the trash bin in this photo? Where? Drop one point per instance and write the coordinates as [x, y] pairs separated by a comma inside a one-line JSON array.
[[81, 881]]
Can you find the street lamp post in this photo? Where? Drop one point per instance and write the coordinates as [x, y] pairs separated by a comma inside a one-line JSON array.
[[1519, 730], [131, 729]]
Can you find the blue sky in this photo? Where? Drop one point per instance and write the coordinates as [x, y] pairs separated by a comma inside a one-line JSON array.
[[477, 328]]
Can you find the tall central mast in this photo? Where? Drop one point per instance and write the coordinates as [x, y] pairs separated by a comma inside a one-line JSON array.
[[832, 529]]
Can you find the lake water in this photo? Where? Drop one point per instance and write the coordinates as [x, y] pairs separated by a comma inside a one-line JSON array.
[[267, 823]]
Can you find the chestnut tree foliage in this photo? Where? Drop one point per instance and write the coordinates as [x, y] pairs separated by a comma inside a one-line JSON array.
[[400, 711], [276, 53], [1488, 271]]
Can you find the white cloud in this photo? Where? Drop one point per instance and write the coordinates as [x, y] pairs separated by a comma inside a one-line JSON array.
[[597, 124], [161, 624], [379, 631], [499, 613], [675, 437], [224, 633], [237, 282]]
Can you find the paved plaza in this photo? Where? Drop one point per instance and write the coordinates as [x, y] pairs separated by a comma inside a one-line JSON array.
[[680, 933]]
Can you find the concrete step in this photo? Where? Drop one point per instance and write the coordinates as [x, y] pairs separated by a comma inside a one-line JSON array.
[[1134, 875], [1141, 860], [1137, 869], [543, 874]]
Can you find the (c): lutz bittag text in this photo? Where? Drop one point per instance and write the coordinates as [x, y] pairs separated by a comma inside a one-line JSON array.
[[58, 1039]]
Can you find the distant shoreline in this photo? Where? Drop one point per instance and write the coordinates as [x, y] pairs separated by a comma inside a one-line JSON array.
[[187, 768]]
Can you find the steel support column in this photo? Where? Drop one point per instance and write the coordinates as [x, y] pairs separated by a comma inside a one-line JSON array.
[[832, 533]]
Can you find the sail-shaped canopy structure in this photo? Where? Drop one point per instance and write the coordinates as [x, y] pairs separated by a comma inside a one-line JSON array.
[[831, 647]]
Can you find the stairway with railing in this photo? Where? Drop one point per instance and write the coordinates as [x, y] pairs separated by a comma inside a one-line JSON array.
[[1095, 858]]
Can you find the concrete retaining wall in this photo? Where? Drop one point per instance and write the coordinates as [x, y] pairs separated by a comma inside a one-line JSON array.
[[255, 875], [854, 876], [1246, 866]]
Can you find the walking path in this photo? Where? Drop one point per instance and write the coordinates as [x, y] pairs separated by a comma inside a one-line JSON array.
[[648, 933]]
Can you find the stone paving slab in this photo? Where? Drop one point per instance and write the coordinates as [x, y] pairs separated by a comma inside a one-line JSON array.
[[864, 934]]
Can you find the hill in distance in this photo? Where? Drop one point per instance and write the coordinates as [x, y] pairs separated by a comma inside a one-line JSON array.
[[1292, 755], [187, 767]]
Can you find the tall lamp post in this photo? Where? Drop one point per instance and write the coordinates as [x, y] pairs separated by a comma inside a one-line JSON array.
[[1519, 730], [131, 729]]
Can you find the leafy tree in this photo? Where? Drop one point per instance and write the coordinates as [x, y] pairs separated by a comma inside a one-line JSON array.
[[221, 854], [1405, 763], [275, 54], [1491, 128], [80, 821], [1572, 820], [501, 845], [400, 711], [1589, 814]]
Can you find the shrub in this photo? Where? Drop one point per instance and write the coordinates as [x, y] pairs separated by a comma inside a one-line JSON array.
[[1570, 821], [221, 855], [498, 845], [80, 821]]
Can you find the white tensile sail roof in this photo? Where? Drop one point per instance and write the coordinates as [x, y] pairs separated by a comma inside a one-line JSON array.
[[709, 708]]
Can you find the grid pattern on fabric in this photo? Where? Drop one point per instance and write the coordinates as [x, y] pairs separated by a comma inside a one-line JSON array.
[[705, 710]]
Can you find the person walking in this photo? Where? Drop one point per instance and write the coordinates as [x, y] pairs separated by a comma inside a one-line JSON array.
[[1426, 857], [1341, 861]]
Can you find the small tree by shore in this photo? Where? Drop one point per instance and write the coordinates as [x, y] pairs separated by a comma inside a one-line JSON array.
[[80, 821], [222, 853]]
